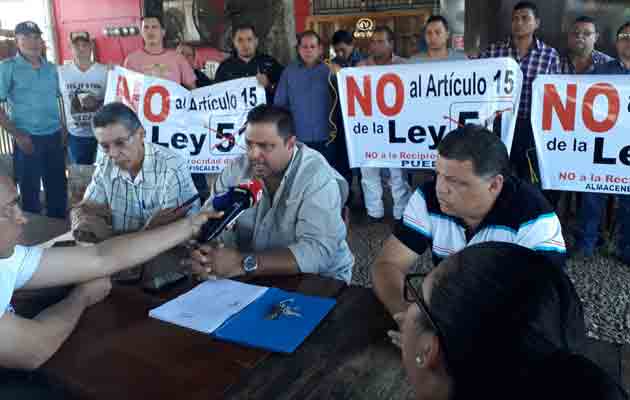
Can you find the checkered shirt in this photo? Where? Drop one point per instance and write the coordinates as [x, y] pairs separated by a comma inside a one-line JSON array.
[[163, 182], [541, 59]]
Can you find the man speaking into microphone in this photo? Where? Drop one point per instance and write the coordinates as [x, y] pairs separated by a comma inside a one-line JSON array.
[[296, 225]]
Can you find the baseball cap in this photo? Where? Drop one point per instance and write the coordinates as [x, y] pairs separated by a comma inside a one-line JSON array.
[[27, 27]]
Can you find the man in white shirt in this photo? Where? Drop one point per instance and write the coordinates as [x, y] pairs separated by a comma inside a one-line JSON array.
[[82, 84], [28, 343]]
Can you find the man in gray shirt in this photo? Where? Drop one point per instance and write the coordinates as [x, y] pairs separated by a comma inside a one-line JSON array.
[[296, 227], [436, 35]]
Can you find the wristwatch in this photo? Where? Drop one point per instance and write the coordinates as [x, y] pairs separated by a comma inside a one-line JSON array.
[[250, 264]]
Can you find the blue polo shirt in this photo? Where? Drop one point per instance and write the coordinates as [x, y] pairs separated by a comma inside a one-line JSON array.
[[31, 94], [306, 93]]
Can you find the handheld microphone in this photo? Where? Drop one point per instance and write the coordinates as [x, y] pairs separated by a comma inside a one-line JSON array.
[[233, 203]]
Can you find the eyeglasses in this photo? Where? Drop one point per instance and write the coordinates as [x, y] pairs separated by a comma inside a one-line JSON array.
[[412, 295], [118, 144], [623, 36], [577, 33]]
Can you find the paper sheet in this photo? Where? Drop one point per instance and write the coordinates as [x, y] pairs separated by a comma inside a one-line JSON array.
[[208, 305]]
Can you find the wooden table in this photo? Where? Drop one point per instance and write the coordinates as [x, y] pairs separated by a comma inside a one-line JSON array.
[[118, 352]]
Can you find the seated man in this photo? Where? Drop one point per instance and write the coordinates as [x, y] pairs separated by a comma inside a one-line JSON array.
[[28, 343], [297, 226], [141, 184], [474, 199]]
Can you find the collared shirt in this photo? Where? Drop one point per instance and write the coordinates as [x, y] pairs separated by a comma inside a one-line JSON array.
[[614, 67], [31, 94], [235, 68], [597, 58], [355, 58], [304, 215], [163, 182], [540, 59], [520, 215], [305, 92]]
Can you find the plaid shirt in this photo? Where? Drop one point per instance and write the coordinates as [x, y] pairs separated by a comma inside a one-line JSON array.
[[163, 182], [540, 59], [597, 57]]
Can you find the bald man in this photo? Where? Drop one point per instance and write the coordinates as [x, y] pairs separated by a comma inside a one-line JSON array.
[[27, 343]]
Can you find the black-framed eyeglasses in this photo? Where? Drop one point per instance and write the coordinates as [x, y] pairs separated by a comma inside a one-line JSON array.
[[412, 294]]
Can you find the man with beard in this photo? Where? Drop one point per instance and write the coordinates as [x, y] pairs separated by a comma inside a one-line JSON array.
[[473, 199], [296, 227]]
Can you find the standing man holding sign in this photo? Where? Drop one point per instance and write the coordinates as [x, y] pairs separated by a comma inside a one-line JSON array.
[[534, 57], [153, 59], [593, 203], [382, 53]]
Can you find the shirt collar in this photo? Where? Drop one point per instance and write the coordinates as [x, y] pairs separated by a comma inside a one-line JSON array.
[[537, 43], [21, 59], [119, 173]]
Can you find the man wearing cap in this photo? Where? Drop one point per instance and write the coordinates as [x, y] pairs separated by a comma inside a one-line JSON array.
[[30, 85], [82, 85]]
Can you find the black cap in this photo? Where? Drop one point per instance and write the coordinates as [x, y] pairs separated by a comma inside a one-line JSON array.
[[27, 27]]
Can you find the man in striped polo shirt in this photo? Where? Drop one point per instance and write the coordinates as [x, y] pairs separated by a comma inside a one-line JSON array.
[[473, 199], [139, 183]]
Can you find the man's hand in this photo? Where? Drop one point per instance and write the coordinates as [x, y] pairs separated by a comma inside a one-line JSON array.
[[395, 336], [24, 142], [91, 222], [166, 216], [263, 79], [92, 292], [215, 261]]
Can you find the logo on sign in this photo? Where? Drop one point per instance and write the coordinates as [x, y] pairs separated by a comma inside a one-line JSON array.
[[364, 28]]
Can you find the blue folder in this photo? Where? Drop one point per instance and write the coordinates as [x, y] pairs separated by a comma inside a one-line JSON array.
[[284, 334]]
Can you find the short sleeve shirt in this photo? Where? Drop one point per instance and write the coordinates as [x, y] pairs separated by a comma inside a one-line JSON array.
[[166, 65], [16, 271]]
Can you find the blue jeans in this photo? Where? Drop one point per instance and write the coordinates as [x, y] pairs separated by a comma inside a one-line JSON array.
[[82, 150], [47, 163], [590, 217]]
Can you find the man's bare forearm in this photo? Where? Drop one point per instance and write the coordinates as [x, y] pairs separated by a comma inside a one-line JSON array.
[[388, 286], [277, 262]]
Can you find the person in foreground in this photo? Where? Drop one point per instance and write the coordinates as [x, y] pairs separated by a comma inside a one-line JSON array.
[[497, 321], [28, 343], [473, 199], [297, 225]]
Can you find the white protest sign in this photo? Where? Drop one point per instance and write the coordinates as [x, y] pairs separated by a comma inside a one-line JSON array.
[[204, 124], [581, 126], [395, 116]]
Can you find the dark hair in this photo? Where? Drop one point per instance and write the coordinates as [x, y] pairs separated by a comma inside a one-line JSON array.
[[478, 145], [279, 116], [341, 36], [244, 27], [308, 33], [500, 308], [158, 17], [622, 27], [388, 31], [437, 18], [585, 19], [116, 113], [526, 5]]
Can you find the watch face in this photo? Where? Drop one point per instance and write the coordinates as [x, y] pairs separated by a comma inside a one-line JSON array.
[[249, 263]]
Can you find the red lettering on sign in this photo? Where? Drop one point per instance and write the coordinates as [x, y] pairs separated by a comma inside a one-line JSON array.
[[553, 102], [399, 98], [363, 98], [601, 89], [164, 108]]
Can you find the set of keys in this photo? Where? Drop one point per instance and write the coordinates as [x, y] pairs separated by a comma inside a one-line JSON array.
[[284, 308]]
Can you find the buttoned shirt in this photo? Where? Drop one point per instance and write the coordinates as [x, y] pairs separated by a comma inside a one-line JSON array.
[[305, 92], [614, 67], [164, 181], [597, 58], [31, 94], [304, 215], [540, 59]]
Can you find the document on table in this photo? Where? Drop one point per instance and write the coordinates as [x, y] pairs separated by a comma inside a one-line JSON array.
[[208, 305]]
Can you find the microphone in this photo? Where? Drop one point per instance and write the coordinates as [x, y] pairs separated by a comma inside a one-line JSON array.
[[233, 203]]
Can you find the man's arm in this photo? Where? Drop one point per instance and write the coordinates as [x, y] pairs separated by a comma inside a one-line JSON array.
[[388, 273], [28, 343], [281, 97], [65, 265]]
